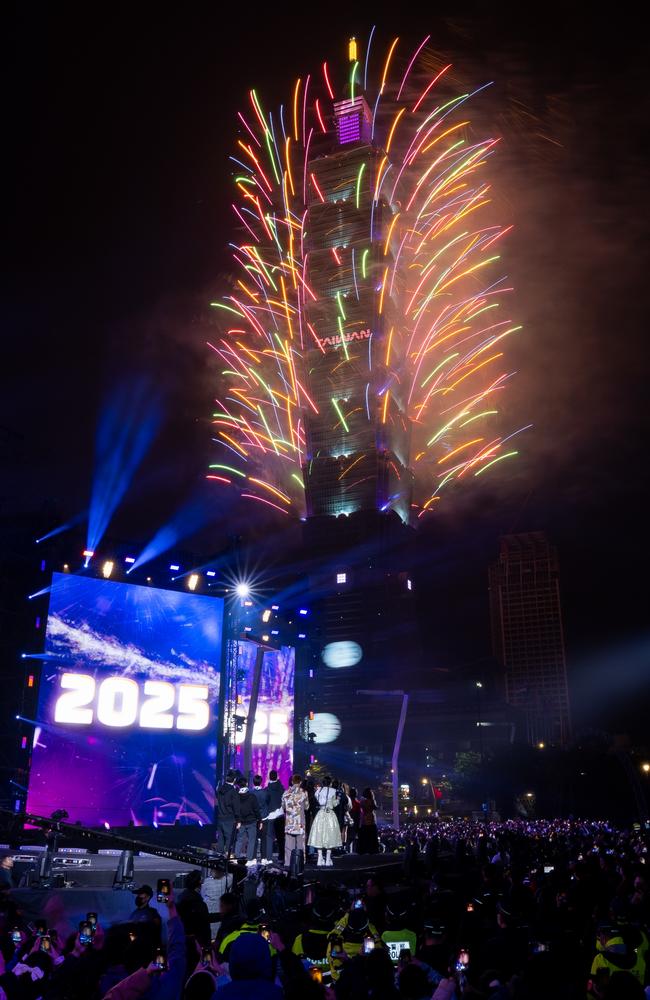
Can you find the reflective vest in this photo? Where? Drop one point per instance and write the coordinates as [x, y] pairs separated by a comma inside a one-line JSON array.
[[312, 945]]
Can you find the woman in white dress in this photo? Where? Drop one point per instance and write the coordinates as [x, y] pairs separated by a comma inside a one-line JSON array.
[[325, 831]]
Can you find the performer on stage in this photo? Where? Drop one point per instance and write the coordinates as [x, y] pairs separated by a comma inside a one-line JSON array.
[[325, 832]]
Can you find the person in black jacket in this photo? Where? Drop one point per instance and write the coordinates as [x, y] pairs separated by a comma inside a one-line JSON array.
[[262, 796], [228, 811], [193, 910], [250, 822], [275, 790]]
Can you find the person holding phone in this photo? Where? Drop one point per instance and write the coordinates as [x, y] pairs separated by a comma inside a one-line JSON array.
[[193, 910], [166, 970]]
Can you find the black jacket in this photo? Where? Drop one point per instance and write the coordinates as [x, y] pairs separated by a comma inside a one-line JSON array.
[[249, 808], [194, 914], [275, 791], [227, 802], [262, 796]]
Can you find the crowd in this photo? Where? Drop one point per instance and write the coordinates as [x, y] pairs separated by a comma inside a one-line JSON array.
[[515, 910]]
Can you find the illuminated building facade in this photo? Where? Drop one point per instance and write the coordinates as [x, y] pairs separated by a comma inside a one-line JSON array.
[[356, 472], [527, 634]]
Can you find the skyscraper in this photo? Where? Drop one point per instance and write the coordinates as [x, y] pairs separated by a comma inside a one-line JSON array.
[[527, 634], [357, 457]]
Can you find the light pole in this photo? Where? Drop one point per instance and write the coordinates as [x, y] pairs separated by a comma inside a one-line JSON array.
[[397, 745]]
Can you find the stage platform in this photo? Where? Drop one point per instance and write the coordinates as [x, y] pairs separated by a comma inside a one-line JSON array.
[[89, 884]]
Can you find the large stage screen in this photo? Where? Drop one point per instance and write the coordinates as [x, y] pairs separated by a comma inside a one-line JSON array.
[[272, 747], [126, 713]]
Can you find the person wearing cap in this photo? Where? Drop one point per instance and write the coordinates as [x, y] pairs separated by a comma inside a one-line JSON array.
[[144, 912], [312, 944], [348, 936], [614, 954], [398, 935], [193, 910]]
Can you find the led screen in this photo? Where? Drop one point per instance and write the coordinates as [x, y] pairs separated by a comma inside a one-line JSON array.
[[128, 695], [273, 730]]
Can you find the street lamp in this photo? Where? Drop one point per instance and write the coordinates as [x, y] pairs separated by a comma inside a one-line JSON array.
[[645, 767]]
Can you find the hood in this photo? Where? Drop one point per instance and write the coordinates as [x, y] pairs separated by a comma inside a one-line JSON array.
[[250, 958]]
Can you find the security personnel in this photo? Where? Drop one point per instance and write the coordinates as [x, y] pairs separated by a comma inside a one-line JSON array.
[[313, 943], [398, 934], [351, 936], [614, 954], [253, 924]]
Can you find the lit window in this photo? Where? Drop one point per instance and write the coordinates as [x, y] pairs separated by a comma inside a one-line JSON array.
[[341, 577]]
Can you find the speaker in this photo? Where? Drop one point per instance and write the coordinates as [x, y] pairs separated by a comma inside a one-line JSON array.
[[296, 862]]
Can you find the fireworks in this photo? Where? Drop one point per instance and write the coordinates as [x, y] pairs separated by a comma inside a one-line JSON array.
[[427, 361]]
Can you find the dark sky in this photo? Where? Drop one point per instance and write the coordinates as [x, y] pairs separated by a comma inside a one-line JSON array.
[[117, 126]]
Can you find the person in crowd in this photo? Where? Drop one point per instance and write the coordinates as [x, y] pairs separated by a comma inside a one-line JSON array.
[[251, 971], [294, 803], [144, 912], [312, 943], [355, 819], [227, 813], [164, 976], [193, 911], [351, 935], [367, 841], [229, 918], [262, 796], [399, 934], [325, 833], [275, 818], [250, 822]]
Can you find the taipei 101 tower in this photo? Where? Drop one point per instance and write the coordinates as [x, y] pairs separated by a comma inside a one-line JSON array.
[[356, 470]]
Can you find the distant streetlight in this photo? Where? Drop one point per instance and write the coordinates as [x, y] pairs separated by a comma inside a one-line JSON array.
[[645, 767], [530, 795], [541, 745]]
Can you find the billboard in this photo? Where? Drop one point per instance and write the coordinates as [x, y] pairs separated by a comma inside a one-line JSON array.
[[273, 730], [129, 687]]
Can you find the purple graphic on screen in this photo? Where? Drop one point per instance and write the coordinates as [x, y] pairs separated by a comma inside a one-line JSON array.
[[272, 747], [127, 728]]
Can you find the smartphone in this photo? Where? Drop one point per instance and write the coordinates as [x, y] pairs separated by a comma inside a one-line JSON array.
[[92, 920], [132, 936], [463, 960], [316, 974], [358, 904], [538, 947], [16, 936], [41, 927], [265, 931], [470, 907], [206, 956], [85, 932], [548, 869], [164, 890], [159, 959], [46, 943], [368, 945]]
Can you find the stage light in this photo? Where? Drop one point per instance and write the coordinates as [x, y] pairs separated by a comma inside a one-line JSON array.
[[301, 635], [274, 631], [478, 684], [275, 607], [192, 581], [409, 585], [341, 577], [530, 795], [210, 572], [303, 611], [107, 568], [130, 560], [265, 638], [242, 590], [645, 768], [266, 615], [65, 567], [88, 554], [541, 745], [148, 579], [174, 568], [248, 628], [343, 653]]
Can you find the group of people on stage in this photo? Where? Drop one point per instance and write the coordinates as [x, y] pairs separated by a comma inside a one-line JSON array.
[[320, 814]]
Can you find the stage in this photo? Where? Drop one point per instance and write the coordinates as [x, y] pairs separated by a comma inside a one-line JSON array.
[[88, 883]]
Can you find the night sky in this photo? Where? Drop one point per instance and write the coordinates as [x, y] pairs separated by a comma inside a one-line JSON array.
[[117, 125]]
